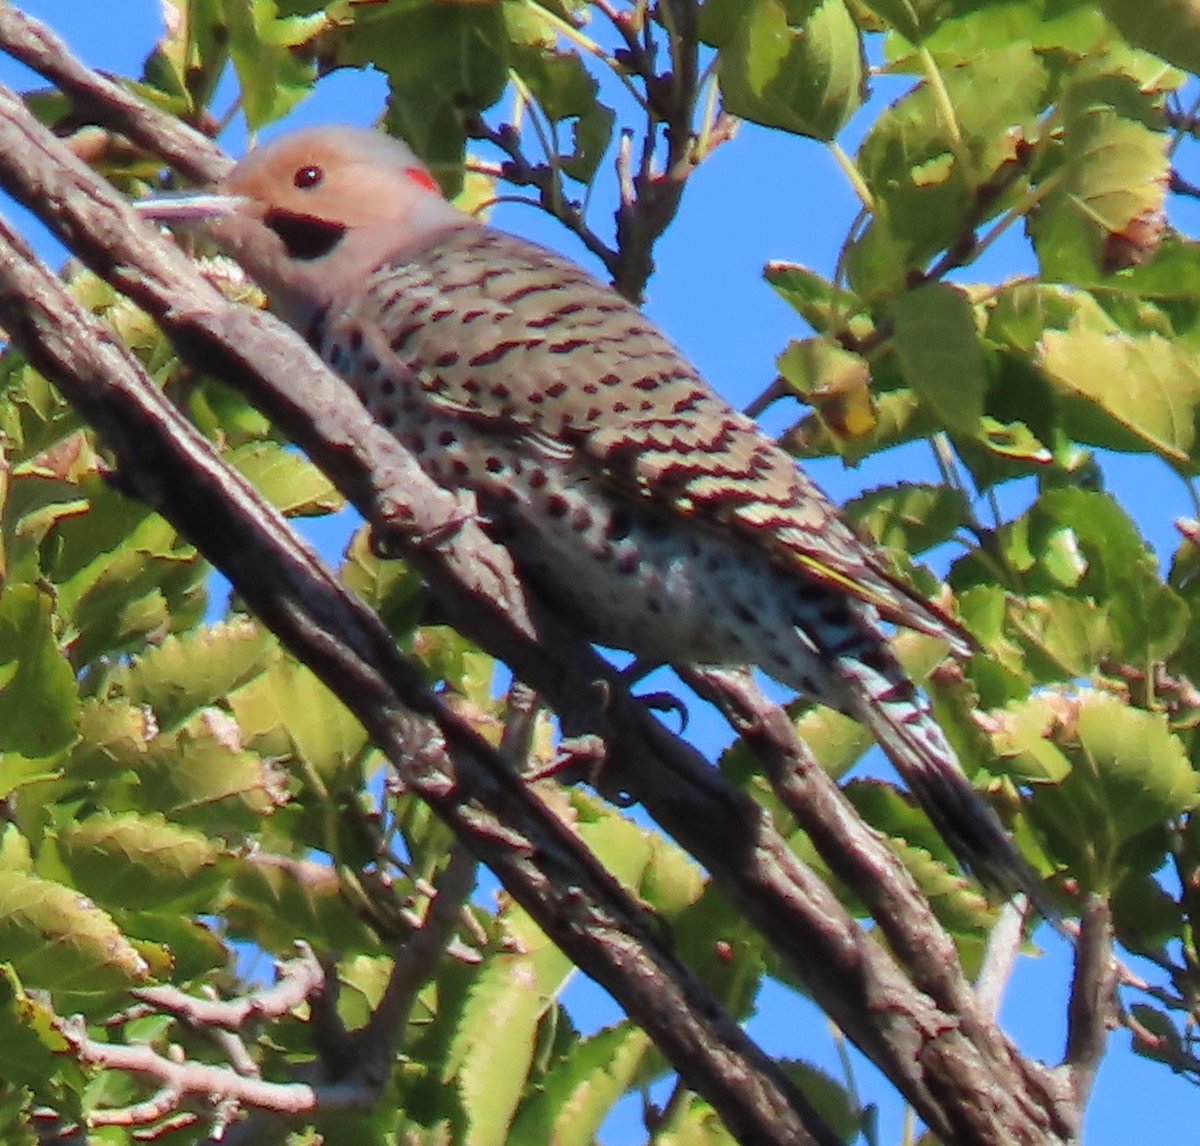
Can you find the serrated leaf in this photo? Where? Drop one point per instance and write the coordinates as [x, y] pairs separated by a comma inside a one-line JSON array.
[[288, 479], [181, 675], [1129, 776], [273, 900], [575, 1096], [140, 862], [1168, 28], [200, 778], [1135, 393], [912, 517], [59, 940], [286, 711], [492, 1073]]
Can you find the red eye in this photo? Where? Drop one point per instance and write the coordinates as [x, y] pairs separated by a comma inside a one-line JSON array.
[[422, 178], [308, 176]]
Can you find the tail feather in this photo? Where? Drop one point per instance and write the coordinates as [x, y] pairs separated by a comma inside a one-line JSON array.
[[884, 699]]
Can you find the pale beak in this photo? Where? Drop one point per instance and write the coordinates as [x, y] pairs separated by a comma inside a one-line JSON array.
[[184, 206]]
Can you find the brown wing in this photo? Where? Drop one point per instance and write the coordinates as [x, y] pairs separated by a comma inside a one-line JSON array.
[[507, 333]]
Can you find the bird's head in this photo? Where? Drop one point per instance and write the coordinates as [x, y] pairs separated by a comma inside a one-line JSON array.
[[316, 210]]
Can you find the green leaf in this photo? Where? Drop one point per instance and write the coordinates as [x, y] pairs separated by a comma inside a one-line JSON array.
[[924, 199], [1022, 739], [202, 777], [140, 862], [39, 699], [938, 346], [1168, 28], [825, 306], [272, 900], [961, 30], [32, 1049], [181, 675], [59, 941], [121, 572], [1166, 1046], [194, 948], [1082, 541], [794, 65], [291, 482], [462, 65], [914, 19], [835, 382], [273, 75], [574, 1097], [182, 72], [911, 517], [1129, 393], [1129, 776], [492, 1073], [837, 1106], [1110, 174], [564, 89], [899, 417], [1145, 916], [287, 713], [1062, 637]]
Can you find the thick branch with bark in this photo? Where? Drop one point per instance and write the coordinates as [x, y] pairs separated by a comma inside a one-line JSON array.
[[438, 755], [941, 1050]]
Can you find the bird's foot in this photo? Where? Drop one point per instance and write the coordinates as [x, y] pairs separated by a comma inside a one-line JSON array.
[[641, 668], [666, 702]]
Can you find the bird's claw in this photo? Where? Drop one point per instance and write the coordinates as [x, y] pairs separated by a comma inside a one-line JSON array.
[[667, 702]]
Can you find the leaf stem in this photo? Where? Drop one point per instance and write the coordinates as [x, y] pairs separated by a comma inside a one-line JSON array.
[[852, 173], [588, 45], [948, 116]]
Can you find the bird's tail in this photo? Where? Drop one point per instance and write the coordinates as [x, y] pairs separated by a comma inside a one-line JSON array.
[[879, 694]]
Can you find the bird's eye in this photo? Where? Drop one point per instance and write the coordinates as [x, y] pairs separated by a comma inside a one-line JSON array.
[[308, 176]]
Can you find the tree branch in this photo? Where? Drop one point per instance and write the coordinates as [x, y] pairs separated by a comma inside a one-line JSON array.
[[438, 755], [922, 1048]]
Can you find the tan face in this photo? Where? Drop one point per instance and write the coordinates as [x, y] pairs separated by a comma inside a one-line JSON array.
[[311, 212], [344, 176]]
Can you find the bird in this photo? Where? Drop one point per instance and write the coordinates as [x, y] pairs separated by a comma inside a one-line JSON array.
[[635, 501]]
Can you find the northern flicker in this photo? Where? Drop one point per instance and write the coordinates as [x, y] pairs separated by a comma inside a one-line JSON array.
[[652, 514]]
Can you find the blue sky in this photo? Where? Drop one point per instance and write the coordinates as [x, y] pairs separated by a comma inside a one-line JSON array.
[[764, 196]]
